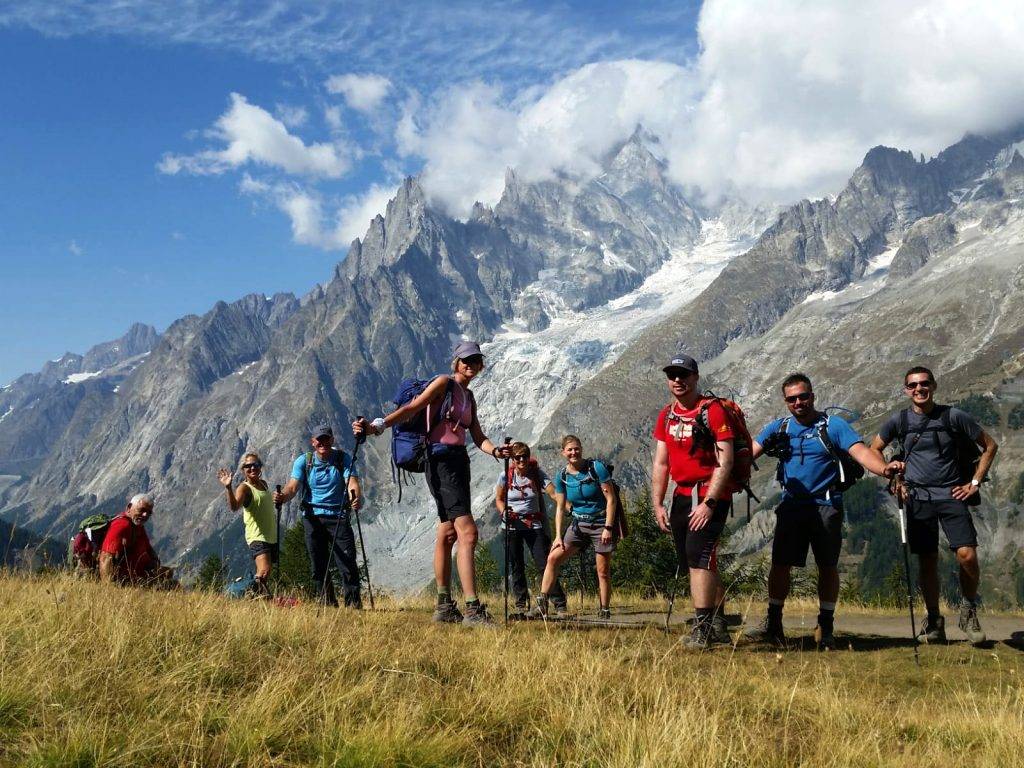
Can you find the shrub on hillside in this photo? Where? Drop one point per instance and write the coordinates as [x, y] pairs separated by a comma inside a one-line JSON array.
[[982, 408], [212, 575], [1015, 419]]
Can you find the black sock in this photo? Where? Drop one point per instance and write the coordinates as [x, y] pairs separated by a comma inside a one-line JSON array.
[[826, 619], [934, 613], [472, 601], [704, 615], [720, 608], [775, 612]]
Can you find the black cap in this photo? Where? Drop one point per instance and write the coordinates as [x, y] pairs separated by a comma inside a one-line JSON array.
[[683, 362], [321, 429]]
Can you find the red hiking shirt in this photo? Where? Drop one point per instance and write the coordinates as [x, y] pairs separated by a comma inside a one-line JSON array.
[[675, 428], [129, 543]]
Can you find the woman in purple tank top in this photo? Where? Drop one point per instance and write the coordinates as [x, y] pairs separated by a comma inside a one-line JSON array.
[[448, 475]]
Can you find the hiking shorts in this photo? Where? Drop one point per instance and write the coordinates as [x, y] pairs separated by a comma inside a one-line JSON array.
[[924, 518], [696, 549], [582, 535], [800, 525], [448, 481], [263, 547]]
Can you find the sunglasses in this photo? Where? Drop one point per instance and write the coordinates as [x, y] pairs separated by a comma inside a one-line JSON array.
[[474, 361], [522, 457], [324, 439], [801, 397], [912, 385], [252, 466], [678, 375]]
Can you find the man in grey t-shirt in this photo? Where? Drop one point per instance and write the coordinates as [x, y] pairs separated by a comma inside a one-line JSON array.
[[520, 498], [932, 439]]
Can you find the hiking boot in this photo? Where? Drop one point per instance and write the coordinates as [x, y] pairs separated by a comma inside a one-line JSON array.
[[519, 609], [719, 632], [767, 631], [700, 635], [561, 612], [477, 616], [969, 623], [446, 612], [604, 614], [933, 631], [824, 640], [539, 611]]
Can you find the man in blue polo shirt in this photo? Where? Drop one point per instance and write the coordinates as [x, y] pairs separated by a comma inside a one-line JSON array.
[[325, 476], [810, 515]]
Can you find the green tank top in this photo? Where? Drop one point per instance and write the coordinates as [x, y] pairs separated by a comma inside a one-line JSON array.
[[259, 516]]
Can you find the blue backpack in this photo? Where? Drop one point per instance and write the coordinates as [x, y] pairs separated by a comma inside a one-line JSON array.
[[409, 439]]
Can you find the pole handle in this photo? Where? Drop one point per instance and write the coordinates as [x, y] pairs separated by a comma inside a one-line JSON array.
[[278, 489]]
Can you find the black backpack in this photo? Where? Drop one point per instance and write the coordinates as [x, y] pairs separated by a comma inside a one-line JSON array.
[[968, 452], [848, 469]]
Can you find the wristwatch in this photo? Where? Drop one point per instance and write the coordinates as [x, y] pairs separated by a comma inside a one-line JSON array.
[[711, 502], [975, 482]]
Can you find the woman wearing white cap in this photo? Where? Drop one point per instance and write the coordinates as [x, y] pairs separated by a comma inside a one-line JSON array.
[[448, 474]]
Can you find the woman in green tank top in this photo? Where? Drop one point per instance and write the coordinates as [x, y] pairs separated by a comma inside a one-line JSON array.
[[254, 498]]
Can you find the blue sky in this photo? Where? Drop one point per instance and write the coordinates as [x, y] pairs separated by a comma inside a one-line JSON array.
[[158, 157], [96, 236]]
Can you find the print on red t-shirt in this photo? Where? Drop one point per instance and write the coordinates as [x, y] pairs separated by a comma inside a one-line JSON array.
[[675, 428], [129, 542]]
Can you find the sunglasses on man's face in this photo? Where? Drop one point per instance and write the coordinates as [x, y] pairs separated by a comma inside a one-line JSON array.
[[800, 397], [522, 457], [678, 375], [912, 385], [252, 466]]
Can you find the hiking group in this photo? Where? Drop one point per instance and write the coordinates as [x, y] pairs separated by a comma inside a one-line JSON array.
[[701, 442]]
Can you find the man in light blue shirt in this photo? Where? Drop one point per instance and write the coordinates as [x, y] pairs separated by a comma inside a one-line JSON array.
[[809, 446], [325, 476]]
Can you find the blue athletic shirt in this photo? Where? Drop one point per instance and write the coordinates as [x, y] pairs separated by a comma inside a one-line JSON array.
[[327, 485], [584, 493], [811, 471]]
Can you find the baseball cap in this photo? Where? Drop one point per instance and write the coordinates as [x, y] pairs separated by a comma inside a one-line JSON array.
[[685, 362], [321, 429], [466, 349]]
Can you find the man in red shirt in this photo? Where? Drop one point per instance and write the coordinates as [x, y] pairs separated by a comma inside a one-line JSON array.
[[127, 557], [694, 445]]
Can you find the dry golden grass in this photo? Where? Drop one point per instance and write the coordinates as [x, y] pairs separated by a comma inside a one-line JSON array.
[[96, 676]]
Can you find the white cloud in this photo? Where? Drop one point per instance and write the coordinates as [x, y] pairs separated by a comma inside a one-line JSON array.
[[305, 208], [780, 102], [74, 248], [363, 93], [291, 115], [253, 135]]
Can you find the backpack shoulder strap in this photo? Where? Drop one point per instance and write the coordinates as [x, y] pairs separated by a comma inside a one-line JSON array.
[[823, 436]]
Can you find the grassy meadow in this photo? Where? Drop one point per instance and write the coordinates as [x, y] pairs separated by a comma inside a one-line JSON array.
[[100, 676]]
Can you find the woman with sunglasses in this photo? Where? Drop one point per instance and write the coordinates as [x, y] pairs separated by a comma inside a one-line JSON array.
[[585, 487], [254, 498], [448, 475], [519, 497]]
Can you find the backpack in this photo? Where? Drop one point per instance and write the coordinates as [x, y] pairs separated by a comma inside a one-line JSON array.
[[409, 439], [84, 546], [968, 452], [742, 443], [621, 524], [848, 470], [533, 475], [336, 460]]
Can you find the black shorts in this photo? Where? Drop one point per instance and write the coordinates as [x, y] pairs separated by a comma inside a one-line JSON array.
[[263, 547], [698, 549], [448, 481], [800, 525], [923, 518]]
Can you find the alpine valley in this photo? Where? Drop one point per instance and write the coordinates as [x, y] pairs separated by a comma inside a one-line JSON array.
[[579, 289]]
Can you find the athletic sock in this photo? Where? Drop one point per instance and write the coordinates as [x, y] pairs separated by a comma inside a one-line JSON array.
[[775, 609], [720, 608], [826, 616], [472, 600], [934, 613], [444, 595], [704, 615]]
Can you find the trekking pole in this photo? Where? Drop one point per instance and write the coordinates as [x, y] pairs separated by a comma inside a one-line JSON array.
[[334, 538], [505, 523], [277, 508], [671, 597], [906, 566], [366, 563], [583, 582]]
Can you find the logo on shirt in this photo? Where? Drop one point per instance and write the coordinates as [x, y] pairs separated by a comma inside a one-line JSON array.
[[681, 430]]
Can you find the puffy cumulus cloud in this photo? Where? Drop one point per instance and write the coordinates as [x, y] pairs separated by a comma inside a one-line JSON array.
[[311, 223], [253, 135], [473, 132], [291, 115], [363, 93], [782, 101], [792, 94]]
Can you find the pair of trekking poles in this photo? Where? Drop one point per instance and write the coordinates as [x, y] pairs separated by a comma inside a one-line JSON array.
[[334, 538]]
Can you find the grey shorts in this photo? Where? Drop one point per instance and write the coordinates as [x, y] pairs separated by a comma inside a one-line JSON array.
[[925, 517], [263, 548], [582, 535]]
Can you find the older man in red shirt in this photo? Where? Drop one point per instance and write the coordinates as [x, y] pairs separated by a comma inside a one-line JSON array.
[[127, 557]]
